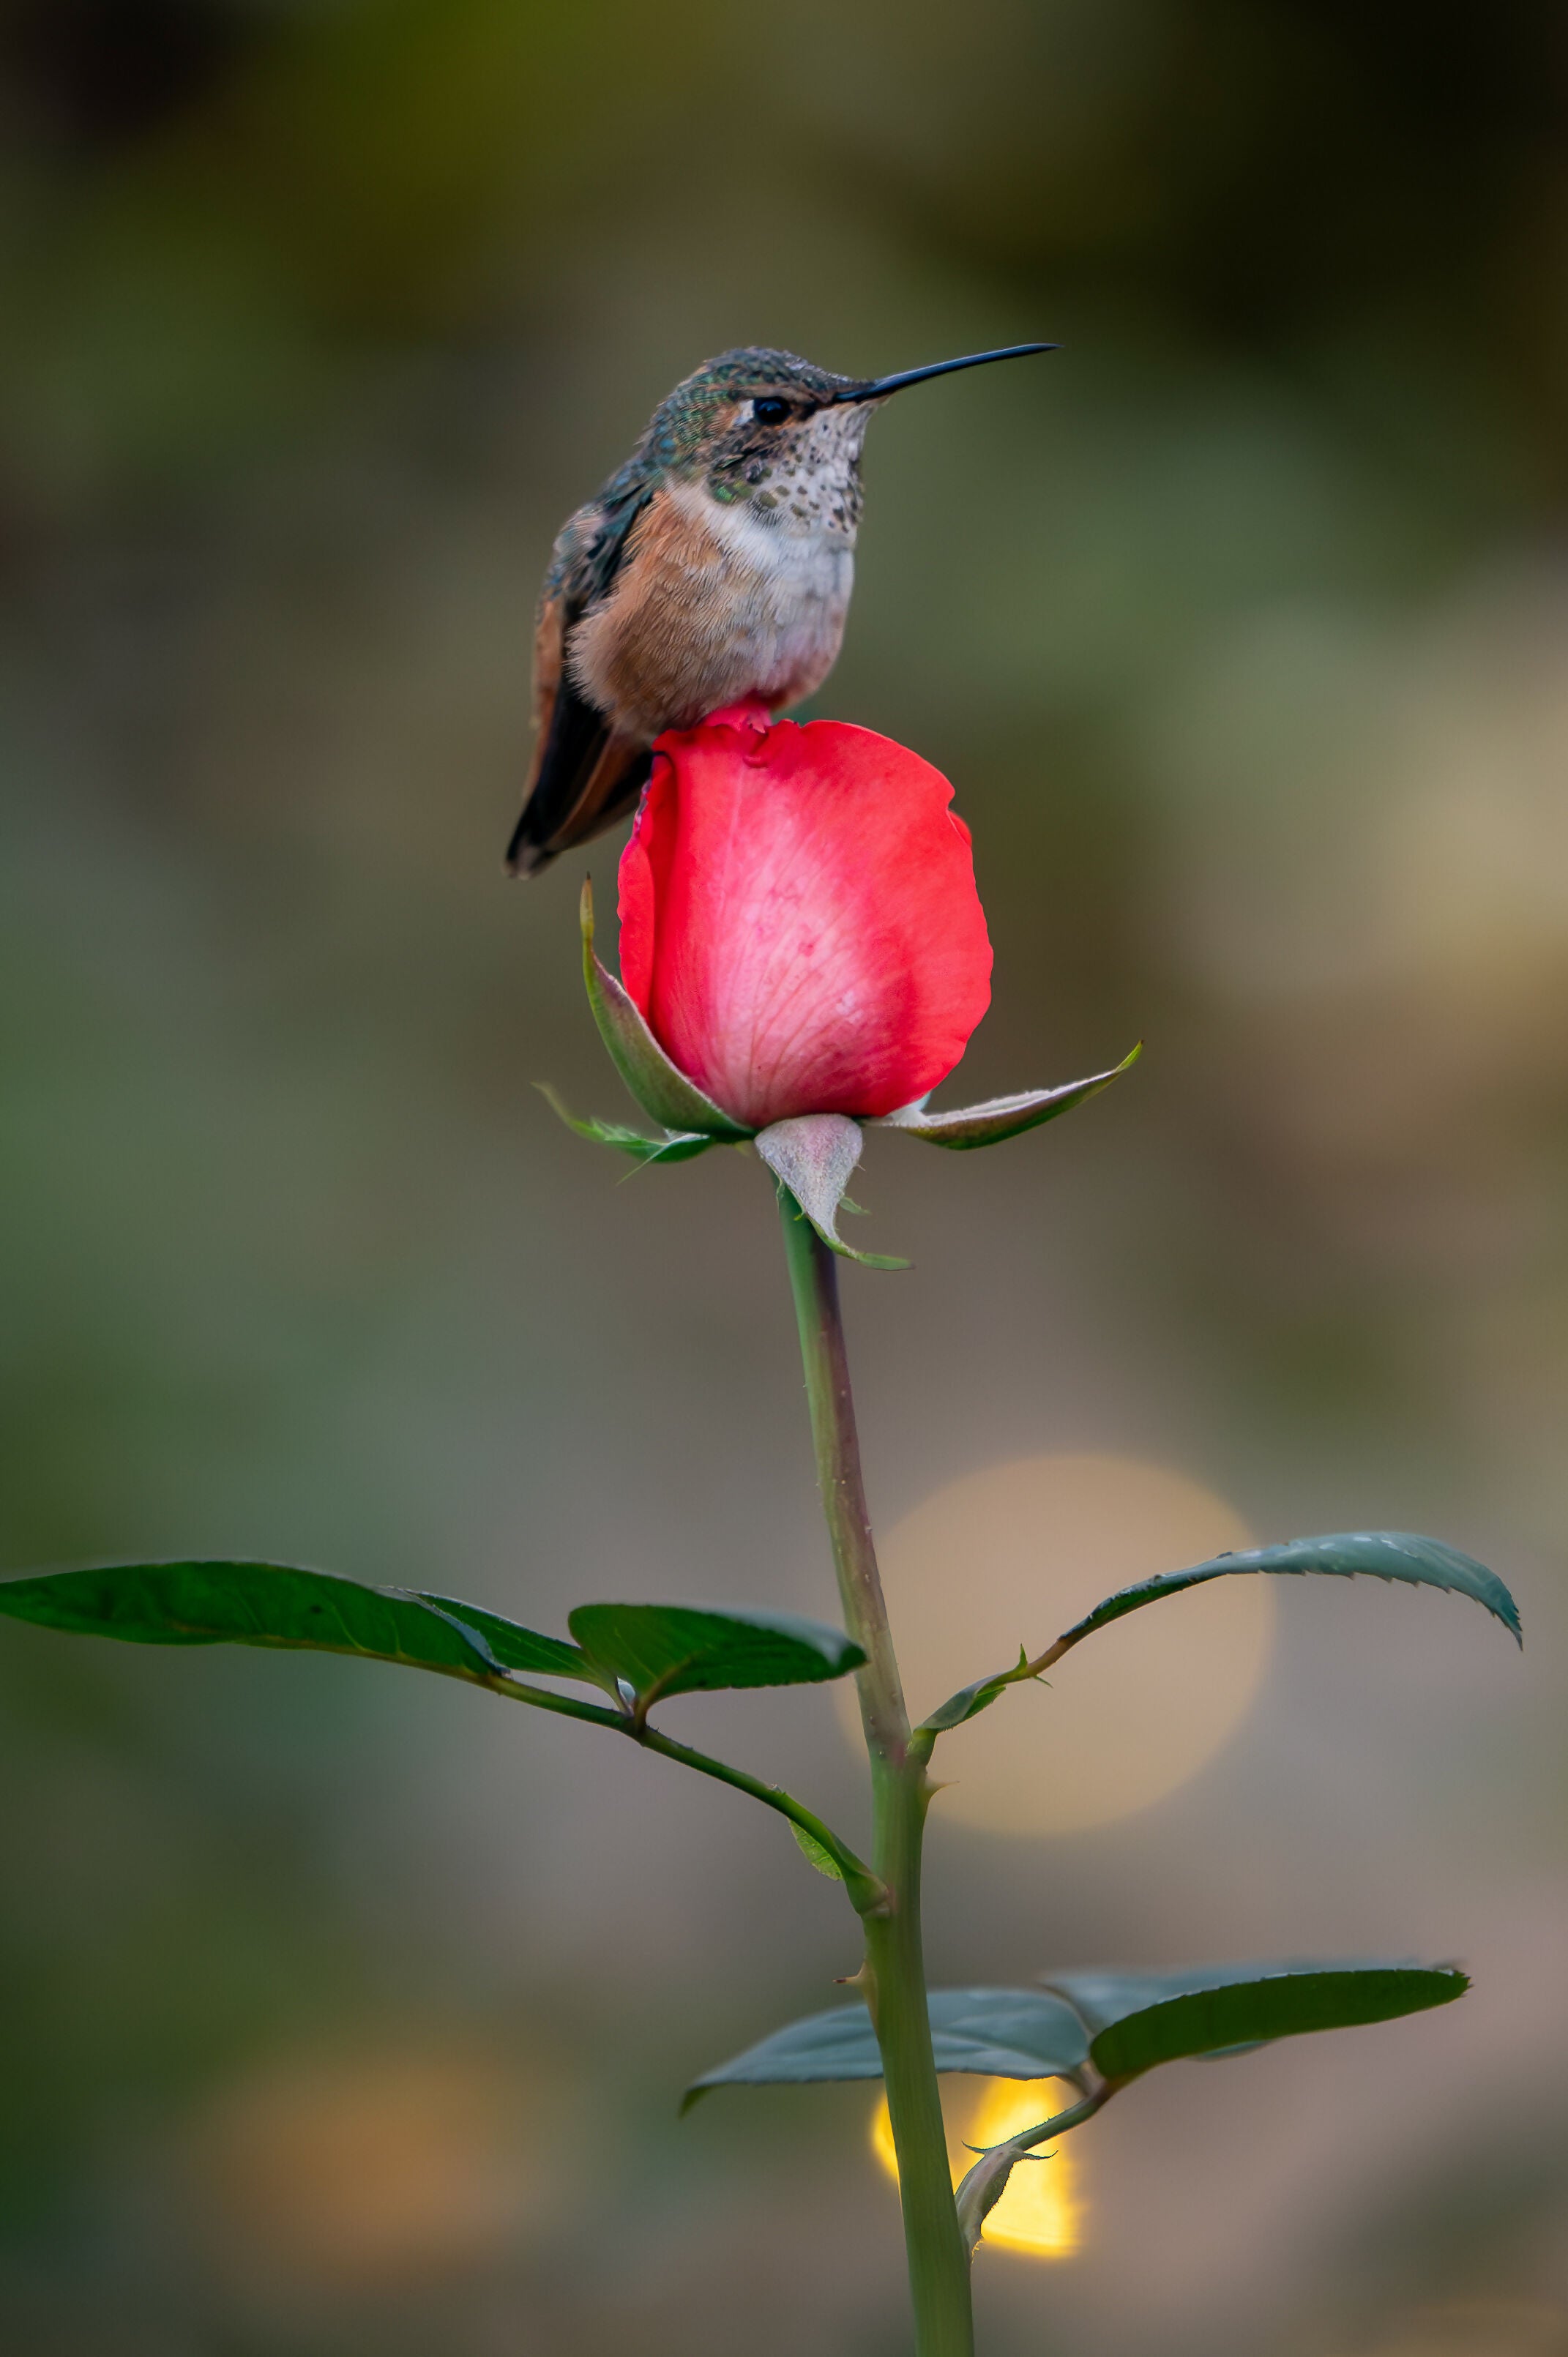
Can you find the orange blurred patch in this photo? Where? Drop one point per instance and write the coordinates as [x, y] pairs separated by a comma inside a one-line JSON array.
[[389, 2167]]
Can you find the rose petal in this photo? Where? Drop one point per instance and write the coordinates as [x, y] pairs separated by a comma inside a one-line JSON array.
[[799, 924]]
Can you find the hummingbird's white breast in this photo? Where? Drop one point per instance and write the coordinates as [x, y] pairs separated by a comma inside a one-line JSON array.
[[799, 574], [722, 600]]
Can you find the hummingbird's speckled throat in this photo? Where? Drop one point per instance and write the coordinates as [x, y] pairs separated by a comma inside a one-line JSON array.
[[804, 478], [714, 567]]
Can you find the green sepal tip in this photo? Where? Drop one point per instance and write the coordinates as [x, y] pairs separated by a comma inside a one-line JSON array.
[[968, 1126], [675, 1146]]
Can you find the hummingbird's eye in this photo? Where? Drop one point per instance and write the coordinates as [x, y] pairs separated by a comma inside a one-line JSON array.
[[771, 410]]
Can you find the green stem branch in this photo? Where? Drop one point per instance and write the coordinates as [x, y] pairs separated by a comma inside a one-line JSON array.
[[864, 1889], [894, 1974]]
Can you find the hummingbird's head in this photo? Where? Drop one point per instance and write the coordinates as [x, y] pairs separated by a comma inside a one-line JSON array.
[[770, 432], [779, 434]]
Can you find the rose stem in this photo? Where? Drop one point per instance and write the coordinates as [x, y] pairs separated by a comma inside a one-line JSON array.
[[894, 1974]]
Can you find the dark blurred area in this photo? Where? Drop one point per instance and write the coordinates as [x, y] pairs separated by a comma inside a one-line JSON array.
[[337, 2014]]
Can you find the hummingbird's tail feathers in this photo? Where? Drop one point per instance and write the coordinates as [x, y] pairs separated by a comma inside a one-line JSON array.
[[572, 736], [587, 776]]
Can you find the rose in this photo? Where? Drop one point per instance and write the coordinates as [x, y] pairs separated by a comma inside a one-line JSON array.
[[799, 923], [802, 949]]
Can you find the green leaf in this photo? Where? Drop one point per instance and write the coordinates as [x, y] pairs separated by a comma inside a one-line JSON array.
[[675, 1146], [659, 1648], [510, 1644], [987, 1124], [811, 1850], [671, 1648], [1138, 2019], [813, 1156], [1373, 1555], [660, 1088], [1349, 1554], [252, 1604], [1001, 2033], [1124, 2023]]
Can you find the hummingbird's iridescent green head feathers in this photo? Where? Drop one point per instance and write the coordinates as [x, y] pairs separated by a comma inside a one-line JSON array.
[[766, 429], [707, 407]]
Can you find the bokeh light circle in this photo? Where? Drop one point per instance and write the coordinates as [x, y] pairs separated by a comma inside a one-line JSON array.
[[1014, 1555], [1042, 2210]]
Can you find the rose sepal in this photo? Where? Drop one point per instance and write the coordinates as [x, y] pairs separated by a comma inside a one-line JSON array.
[[659, 1086], [675, 1146], [967, 1126], [813, 1156]]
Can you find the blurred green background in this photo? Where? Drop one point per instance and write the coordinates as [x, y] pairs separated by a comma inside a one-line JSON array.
[[341, 2016]]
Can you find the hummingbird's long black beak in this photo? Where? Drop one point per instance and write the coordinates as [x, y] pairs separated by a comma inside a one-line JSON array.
[[887, 384]]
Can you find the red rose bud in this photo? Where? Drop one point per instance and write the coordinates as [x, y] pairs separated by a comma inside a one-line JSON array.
[[802, 949], [799, 921]]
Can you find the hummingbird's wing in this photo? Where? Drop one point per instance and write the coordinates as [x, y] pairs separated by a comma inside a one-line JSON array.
[[584, 774]]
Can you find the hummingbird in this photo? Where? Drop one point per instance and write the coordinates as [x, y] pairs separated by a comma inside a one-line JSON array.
[[714, 567]]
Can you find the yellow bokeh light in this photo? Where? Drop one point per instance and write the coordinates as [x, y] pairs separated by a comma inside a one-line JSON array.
[[1014, 1555], [1041, 2211]]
